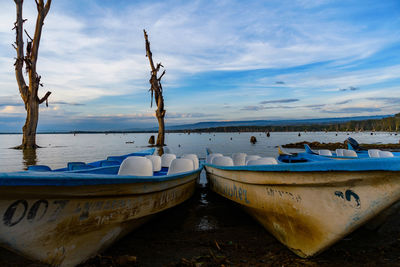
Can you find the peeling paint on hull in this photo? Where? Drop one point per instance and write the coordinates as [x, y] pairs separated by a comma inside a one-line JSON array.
[[66, 225], [308, 211]]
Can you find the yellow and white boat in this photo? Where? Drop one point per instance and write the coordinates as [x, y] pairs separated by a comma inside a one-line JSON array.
[[308, 206]]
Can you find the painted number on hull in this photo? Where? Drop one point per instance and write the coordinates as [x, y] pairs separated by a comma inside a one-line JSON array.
[[349, 196], [18, 210]]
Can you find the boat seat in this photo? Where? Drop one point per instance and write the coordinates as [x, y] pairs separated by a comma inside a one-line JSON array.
[[252, 157], [39, 168], [156, 160], [137, 166], [349, 153], [211, 156], [117, 158], [222, 161], [105, 163], [339, 152], [82, 167], [263, 161], [166, 159], [194, 158], [180, 165], [385, 154], [75, 165], [324, 152], [373, 153], [239, 159]]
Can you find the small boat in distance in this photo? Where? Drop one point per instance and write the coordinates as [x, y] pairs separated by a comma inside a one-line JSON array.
[[63, 217], [311, 205]]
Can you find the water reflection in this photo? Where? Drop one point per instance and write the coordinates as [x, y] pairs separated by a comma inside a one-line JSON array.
[[29, 157], [206, 224]]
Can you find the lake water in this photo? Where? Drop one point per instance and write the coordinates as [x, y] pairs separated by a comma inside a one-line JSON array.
[[58, 149]]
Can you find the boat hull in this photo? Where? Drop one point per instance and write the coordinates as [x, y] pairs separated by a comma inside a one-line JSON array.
[[66, 225], [308, 211]]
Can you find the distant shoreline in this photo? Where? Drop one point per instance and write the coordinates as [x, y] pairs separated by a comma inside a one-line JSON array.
[[208, 130], [201, 131], [386, 124]]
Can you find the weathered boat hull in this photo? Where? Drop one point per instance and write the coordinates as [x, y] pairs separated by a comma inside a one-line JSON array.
[[308, 210], [64, 225]]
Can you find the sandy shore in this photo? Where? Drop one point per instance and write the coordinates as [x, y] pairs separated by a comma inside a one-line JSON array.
[[208, 230]]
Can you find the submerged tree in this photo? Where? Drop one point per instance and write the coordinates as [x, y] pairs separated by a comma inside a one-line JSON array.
[[29, 93], [156, 91]]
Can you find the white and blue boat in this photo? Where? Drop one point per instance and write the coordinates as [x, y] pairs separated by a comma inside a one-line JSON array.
[[65, 216], [307, 206]]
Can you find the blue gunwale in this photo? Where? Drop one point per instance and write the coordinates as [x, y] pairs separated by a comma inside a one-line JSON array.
[[79, 178], [364, 164]]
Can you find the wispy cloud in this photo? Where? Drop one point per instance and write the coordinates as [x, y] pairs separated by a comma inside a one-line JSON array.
[[354, 110], [66, 103], [343, 102], [386, 100], [350, 88], [253, 108], [287, 100]]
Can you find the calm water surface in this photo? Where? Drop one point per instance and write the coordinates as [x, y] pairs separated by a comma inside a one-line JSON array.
[[58, 149]]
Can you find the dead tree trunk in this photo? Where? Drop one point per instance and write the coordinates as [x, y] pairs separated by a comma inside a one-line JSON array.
[[156, 91], [29, 94]]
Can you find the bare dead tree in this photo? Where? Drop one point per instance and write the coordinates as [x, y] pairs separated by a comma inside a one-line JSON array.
[[29, 93], [156, 92]]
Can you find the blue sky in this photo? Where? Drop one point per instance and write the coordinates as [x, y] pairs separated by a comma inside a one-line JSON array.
[[224, 60]]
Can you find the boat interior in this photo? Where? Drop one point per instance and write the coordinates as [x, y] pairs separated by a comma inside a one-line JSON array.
[[135, 164]]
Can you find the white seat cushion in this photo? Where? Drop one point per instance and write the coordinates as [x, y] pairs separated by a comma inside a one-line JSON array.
[[339, 152], [239, 159], [222, 161], [181, 165], [156, 160], [194, 158], [385, 154], [324, 152], [373, 153], [166, 159], [137, 166], [349, 153], [263, 161], [211, 156], [252, 157]]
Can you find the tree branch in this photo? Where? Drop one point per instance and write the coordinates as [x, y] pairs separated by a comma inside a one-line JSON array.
[[45, 98], [162, 74], [42, 12], [19, 45], [148, 52], [28, 35], [47, 7]]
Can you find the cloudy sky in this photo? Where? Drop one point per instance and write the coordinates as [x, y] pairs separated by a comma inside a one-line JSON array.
[[224, 60]]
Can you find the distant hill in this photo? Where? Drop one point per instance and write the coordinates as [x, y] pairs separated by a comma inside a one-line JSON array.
[[379, 123], [217, 124]]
